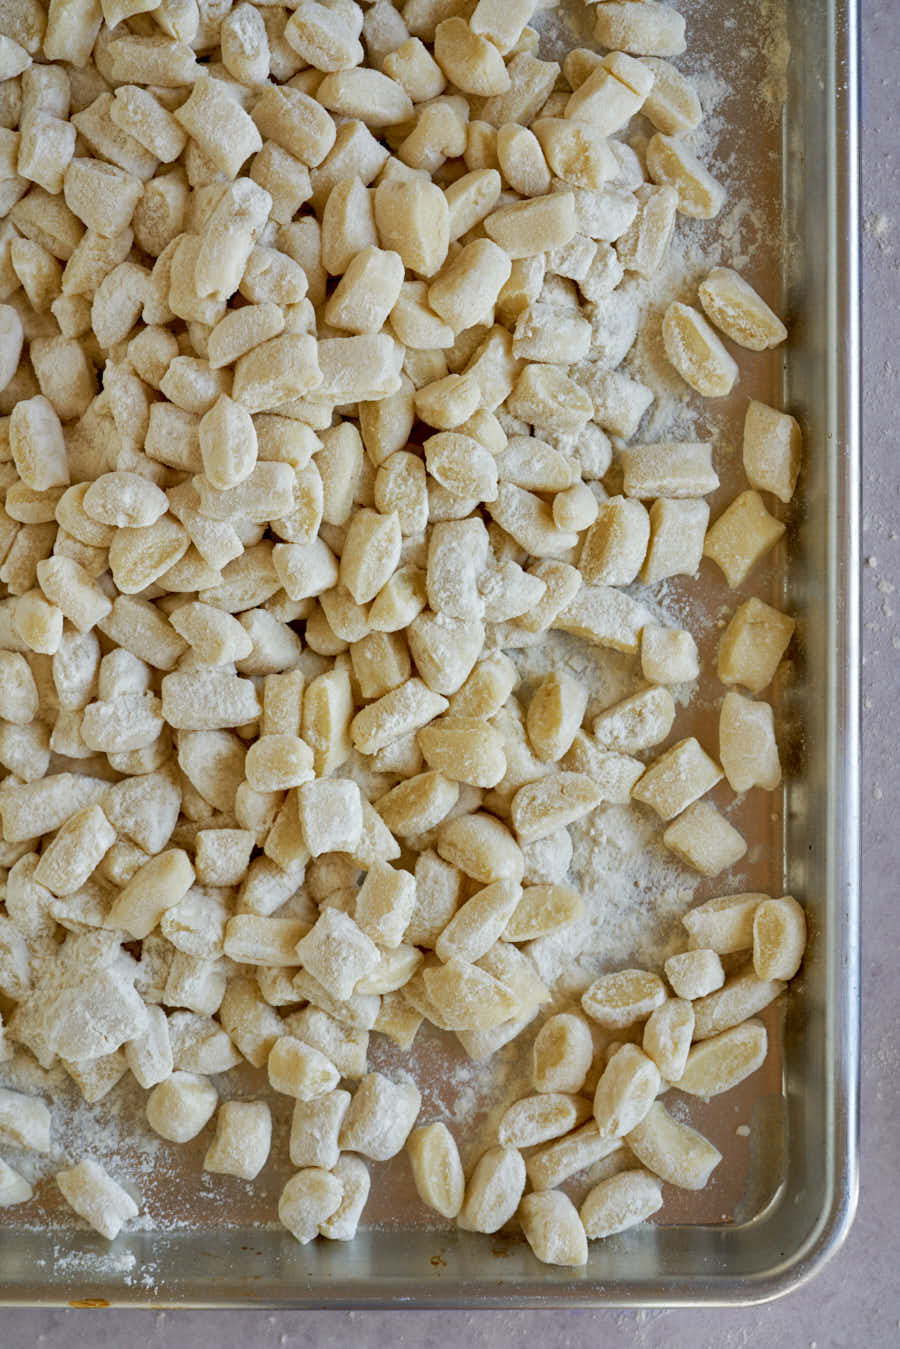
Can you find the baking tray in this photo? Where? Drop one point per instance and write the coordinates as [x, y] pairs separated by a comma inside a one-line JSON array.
[[784, 1196]]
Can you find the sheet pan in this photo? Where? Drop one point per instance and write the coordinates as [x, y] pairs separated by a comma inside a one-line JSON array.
[[783, 1198]]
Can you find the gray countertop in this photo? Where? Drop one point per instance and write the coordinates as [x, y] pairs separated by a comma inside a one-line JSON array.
[[856, 1299]]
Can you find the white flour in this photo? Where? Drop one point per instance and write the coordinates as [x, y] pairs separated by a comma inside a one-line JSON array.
[[634, 892]]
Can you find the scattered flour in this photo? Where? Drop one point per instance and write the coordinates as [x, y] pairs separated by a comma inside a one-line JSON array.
[[634, 891]]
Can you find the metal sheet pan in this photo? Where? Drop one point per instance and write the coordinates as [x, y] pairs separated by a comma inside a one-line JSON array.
[[786, 1194]]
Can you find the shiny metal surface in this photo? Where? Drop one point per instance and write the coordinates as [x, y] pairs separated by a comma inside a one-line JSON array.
[[786, 1206]]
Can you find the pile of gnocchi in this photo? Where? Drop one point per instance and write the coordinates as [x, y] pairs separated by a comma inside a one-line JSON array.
[[312, 414]]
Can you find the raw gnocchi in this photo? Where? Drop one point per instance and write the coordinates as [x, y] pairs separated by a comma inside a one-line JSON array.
[[316, 437]]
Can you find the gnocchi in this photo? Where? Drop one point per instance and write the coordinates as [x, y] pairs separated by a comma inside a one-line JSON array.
[[324, 487]]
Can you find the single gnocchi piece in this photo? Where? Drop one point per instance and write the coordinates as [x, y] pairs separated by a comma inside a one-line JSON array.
[[643, 27], [667, 1037], [467, 997], [620, 999], [371, 553], [625, 1092], [257, 939], [670, 469], [575, 508], [216, 637], [554, 715], [394, 970], [36, 444], [462, 466], [228, 443], [620, 1202], [478, 923], [735, 308], [723, 924], [533, 226], [277, 762], [469, 61], [19, 697], [772, 450], [753, 644], [740, 997], [95, 1196], [221, 128], [242, 1139], [337, 952], [747, 745], [672, 104], [385, 904], [156, 886], [741, 537], [402, 711], [438, 890], [671, 164], [680, 776], [636, 723], [179, 1107], [705, 840], [576, 151], [330, 813], [668, 655], [539, 808], [466, 289], [299, 1070], [541, 910], [642, 246], [464, 750], [720, 1063], [693, 974], [610, 93], [412, 219], [437, 1169], [315, 1126], [14, 1189], [418, 804], [779, 938], [67, 585], [75, 850], [547, 862], [672, 1150], [380, 1117], [537, 1119], [24, 1121], [486, 689], [412, 66], [481, 847], [565, 1157], [366, 292], [494, 1190], [562, 1054], [562, 583], [553, 1229], [522, 160], [356, 1181], [696, 352], [503, 24]]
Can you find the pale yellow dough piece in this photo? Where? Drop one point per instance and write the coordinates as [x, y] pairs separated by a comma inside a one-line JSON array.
[[735, 308], [741, 537], [705, 840], [773, 446]]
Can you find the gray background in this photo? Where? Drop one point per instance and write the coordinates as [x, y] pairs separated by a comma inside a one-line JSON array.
[[856, 1299]]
